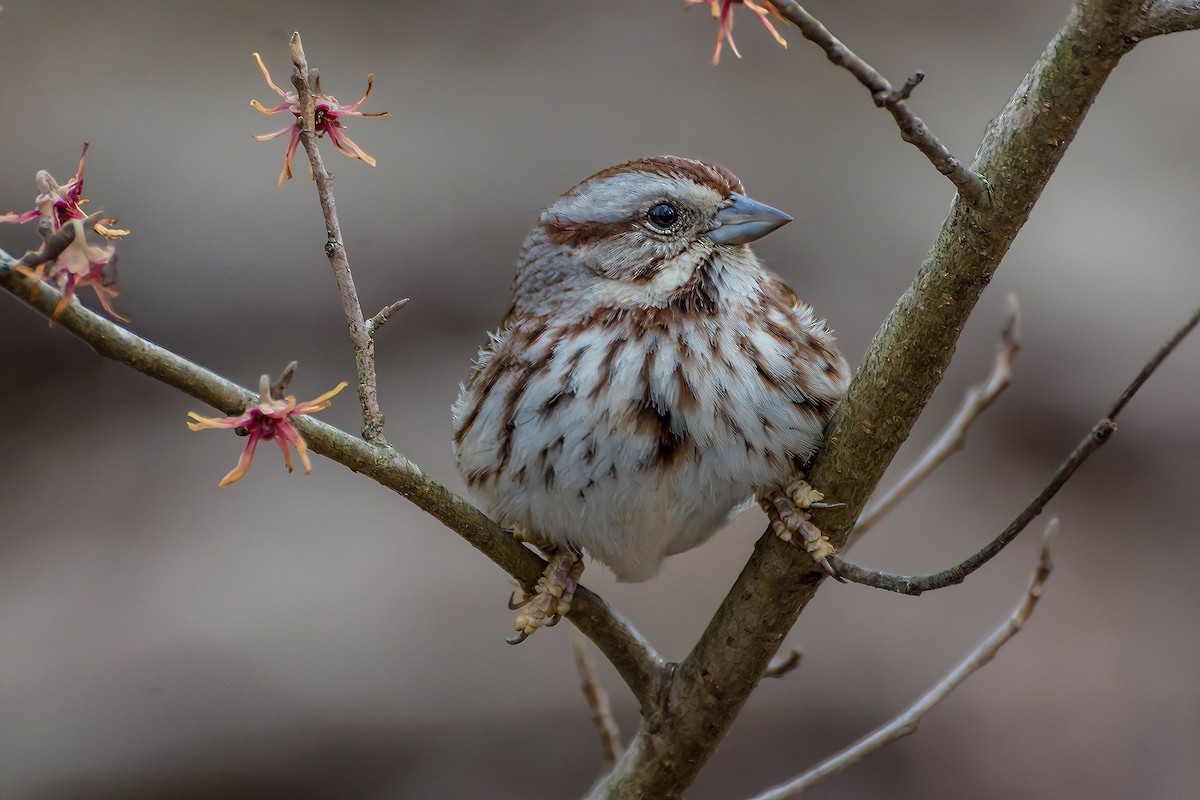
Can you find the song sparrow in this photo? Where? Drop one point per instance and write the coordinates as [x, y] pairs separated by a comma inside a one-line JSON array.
[[651, 379]]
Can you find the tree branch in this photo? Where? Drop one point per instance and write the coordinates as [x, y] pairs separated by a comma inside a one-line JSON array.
[[904, 364], [1095, 438], [335, 249], [1156, 17], [635, 660], [954, 436], [909, 720], [971, 186]]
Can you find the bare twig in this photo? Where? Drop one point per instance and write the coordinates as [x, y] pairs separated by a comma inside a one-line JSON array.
[[971, 186], [335, 249], [379, 320], [597, 700], [1097, 436], [642, 669], [782, 665], [909, 720], [1156, 17], [954, 436]]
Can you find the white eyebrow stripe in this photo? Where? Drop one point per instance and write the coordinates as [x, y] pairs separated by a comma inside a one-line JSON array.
[[618, 197]]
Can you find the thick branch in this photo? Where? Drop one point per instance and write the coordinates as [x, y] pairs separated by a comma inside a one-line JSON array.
[[904, 364], [909, 720], [635, 660], [1095, 438], [954, 436], [335, 249], [971, 186]]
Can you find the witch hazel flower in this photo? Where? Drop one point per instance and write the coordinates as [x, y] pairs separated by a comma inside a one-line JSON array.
[[80, 263], [327, 119], [722, 11], [270, 419]]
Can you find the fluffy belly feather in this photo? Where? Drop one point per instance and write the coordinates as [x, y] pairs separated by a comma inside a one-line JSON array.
[[634, 440]]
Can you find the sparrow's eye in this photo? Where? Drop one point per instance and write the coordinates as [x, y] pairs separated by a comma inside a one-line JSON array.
[[662, 216]]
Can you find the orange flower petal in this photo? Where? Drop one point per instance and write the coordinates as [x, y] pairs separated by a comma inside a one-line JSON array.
[[319, 403], [267, 75], [208, 423]]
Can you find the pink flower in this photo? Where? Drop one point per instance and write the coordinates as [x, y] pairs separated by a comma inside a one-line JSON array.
[[80, 264], [722, 10], [270, 419], [83, 264], [327, 114]]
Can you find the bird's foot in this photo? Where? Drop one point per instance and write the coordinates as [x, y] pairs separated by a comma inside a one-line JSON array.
[[788, 511], [552, 595]]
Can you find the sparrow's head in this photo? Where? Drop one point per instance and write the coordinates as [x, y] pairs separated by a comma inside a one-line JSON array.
[[639, 231]]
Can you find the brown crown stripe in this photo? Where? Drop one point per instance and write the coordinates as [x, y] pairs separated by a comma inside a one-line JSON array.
[[714, 176], [566, 233]]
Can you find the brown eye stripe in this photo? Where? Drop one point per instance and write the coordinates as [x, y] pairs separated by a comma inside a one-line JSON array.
[[581, 234]]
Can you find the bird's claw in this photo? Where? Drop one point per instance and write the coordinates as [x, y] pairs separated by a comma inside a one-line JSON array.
[[788, 511], [551, 598]]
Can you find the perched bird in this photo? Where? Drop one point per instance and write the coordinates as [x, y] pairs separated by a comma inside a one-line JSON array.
[[651, 380]]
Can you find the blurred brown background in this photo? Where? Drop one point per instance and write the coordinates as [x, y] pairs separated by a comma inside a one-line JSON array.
[[320, 637]]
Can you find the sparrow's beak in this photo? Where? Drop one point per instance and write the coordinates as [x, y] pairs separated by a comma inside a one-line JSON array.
[[746, 220]]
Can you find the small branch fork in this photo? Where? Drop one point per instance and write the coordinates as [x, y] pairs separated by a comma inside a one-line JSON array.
[[909, 720], [306, 84], [636, 661], [379, 320], [971, 187], [954, 436], [1095, 438]]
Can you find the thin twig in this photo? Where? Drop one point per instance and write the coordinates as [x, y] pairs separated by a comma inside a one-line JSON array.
[[954, 436], [379, 320], [1097, 436], [970, 185], [635, 660], [335, 249], [909, 720], [782, 665], [597, 700], [1156, 17]]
